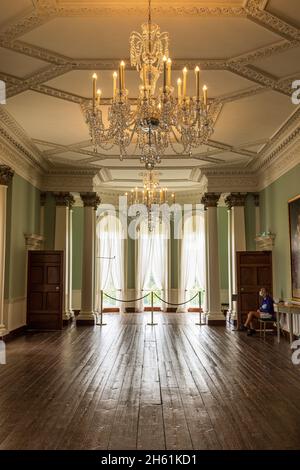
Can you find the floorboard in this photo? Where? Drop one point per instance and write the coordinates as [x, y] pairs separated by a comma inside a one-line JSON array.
[[129, 385]]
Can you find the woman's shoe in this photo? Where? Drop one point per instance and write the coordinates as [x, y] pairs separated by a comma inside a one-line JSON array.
[[251, 332], [243, 328]]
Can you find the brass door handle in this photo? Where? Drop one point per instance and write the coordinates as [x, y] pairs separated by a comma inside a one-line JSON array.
[[57, 287]]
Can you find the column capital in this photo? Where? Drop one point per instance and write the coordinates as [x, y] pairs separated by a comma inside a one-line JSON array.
[[63, 199], [256, 199], [43, 197], [210, 199], [90, 199], [6, 174], [236, 200]]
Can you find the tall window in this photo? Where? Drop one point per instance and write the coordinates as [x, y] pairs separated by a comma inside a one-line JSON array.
[[109, 260], [152, 266], [192, 276]]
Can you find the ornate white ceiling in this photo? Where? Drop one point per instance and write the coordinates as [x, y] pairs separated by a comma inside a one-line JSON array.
[[249, 53]]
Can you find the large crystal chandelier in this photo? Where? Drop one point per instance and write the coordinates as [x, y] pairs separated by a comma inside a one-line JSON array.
[[159, 119], [152, 196]]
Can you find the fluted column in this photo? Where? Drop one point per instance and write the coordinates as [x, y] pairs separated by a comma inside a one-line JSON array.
[[87, 315], [62, 239], [236, 204], [214, 315], [6, 175]]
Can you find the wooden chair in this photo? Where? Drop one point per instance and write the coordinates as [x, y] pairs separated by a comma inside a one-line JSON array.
[[263, 322]]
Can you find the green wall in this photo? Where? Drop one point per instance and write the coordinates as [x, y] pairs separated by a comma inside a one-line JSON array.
[[77, 247], [274, 217], [223, 246], [49, 223], [250, 225], [23, 216]]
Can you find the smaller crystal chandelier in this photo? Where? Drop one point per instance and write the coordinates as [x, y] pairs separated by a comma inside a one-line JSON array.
[[151, 196], [158, 120]]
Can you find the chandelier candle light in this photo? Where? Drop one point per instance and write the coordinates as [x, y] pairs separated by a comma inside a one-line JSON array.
[[159, 120], [151, 195]]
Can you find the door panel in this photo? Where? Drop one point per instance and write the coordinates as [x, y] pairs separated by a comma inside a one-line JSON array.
[[254, 270], [45, 290]]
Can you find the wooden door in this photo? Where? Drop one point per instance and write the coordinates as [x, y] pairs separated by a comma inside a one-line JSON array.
[[45, 290], [254, 270]]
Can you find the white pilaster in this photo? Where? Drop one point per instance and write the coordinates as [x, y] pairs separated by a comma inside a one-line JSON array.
[[236, 201], [87, 314], [6, 175], [62, 240], [229, 264], [214, 316], [70, 293], [206, 305]]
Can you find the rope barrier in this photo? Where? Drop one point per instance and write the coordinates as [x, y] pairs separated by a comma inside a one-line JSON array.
[[177, 305], [152, 306], [133, 300]]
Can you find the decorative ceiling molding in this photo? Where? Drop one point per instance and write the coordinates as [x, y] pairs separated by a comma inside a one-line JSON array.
[[263, 52], [34, 51], [259, 15], [277, 167], [16, 136], [190, 8], [38, 78], [286, 135], [24, 24]]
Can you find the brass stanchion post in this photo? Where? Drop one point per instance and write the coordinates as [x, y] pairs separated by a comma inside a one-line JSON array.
[[101, 310], [200, 309], [152, 306]]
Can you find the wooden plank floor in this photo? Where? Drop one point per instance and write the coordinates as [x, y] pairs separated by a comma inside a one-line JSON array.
[[131, 386]]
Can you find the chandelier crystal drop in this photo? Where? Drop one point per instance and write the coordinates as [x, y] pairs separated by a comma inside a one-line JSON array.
[[159, 119]]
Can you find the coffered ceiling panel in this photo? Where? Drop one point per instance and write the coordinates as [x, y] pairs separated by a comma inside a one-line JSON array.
[[189, 37], [48, 118], [281, 65], [254, 118], [289, 10], [18, 64], [13, 8]]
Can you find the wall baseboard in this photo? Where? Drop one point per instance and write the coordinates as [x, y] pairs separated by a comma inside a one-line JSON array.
[[15, 334]]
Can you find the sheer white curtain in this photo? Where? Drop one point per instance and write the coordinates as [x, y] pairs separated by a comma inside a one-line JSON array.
[[152, 260], [192, 273], [110, 257]]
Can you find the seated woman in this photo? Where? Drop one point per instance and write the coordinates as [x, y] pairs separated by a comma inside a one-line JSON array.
[[265, 312]]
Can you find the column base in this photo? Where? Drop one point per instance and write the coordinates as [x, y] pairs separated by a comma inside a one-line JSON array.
[[3, 331], [86, 318], [215, 319], [66, 317]]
